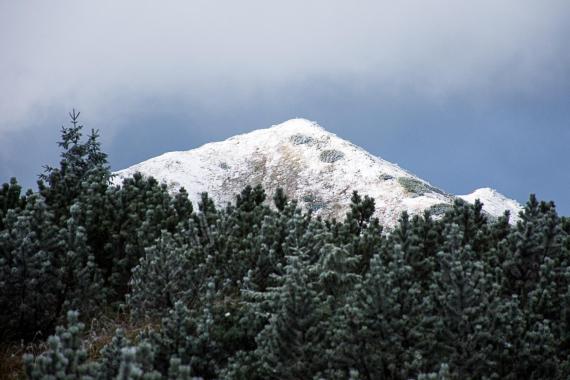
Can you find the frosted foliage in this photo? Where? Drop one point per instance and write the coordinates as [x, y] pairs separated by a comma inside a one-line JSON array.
[[313, 203], [440, 209], [331, 155], [417, 187], [300, 139]]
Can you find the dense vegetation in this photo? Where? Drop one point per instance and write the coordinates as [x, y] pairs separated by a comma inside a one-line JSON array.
[[259, 289]]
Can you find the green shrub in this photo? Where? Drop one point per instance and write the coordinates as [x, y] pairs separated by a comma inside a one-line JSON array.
[[331, 155], [313, 203], [417, 187], [440, 209]]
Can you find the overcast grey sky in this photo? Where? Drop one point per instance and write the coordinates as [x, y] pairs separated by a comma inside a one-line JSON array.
[[464, 94]]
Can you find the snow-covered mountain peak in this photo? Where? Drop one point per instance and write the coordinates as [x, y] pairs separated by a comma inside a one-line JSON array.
[[312, 165], [297, 131], [494, 202], [299, 125]]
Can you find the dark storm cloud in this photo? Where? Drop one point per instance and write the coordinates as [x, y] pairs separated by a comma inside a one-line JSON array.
[[107, 55]]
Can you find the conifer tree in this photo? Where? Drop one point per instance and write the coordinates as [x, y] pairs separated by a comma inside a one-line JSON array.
[[10, 198], [465, 302], [525, 248], [361, 210], [280, 199], [80, 280], [111, 356], [80, 162], [66, 357], [288, 347], [169, 272], [28, 277]]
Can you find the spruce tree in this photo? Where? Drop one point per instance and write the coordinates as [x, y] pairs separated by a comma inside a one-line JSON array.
[[80, 162]]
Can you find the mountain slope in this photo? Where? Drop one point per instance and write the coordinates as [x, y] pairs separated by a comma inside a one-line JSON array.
[[312, 165], [494, 202]]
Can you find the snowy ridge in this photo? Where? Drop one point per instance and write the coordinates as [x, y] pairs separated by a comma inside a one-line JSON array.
[[494, 202], [312, 165]]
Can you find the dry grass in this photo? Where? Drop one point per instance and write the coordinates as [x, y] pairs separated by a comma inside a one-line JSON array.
[[98, 333], [11, 366]]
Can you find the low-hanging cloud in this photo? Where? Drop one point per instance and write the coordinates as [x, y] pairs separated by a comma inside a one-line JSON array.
[[106, 55]]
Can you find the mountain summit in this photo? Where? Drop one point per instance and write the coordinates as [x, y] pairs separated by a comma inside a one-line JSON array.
[[312, 165]]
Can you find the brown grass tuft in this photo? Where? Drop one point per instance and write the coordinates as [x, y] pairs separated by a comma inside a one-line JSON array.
[[98, 333]]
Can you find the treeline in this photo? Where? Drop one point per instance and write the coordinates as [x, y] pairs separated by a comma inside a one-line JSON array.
[[259, 289]]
